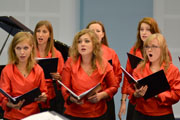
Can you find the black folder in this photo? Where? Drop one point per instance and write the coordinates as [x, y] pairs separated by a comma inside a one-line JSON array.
[[49, 65], [1, 68], [28, 97], [134, 60], [156, 82]]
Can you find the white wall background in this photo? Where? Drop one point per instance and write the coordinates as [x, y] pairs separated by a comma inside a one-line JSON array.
[[167, 14], [64, 16]]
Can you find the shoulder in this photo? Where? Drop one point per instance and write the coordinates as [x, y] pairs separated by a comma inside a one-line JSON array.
[[132, 50], [8, 68], [108, 50], [172, 68], [104, 47], [69, 62]]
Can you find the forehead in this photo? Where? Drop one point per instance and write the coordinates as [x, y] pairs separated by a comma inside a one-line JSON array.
[[154, 41], [95, 25], [85, 36], [43, 27], [145, 25], [23, 42]]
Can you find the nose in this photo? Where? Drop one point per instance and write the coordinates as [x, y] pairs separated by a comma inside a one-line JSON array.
[[22, 51], [83, 42], [144, 31], [40, 33]]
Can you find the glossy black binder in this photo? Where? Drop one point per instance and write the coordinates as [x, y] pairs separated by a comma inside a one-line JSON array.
[[28, 97], [156, 82], [134, 60], [49, 65]]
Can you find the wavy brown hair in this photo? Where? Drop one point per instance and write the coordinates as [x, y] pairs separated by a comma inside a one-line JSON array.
[[50, 43], [153, 28], [18, 38], [97, 55]]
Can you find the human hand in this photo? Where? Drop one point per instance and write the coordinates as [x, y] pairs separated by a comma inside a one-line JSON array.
[[74, 100], [42, 97], [16, 106], [141, 91], [95, 98], [56, 76]]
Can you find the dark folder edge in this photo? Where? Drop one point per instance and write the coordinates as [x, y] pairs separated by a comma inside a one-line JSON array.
[[1, 68], [134, 60], [49, 65]]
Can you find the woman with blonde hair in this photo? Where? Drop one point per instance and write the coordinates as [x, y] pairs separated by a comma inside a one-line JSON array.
[[21, 75], [84, 69], [156, 57]]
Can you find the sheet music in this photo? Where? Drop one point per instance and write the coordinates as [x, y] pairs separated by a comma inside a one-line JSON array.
[[45, 116]]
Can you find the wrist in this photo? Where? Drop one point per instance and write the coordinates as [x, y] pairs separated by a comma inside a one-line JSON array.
[[123, 100]]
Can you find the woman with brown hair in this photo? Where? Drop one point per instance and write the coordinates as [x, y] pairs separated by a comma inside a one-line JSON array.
[[43, 35]]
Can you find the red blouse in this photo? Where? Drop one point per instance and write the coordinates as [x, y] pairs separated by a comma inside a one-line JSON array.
[[75, 78], [110, 55], [15, 84], [162, 105]]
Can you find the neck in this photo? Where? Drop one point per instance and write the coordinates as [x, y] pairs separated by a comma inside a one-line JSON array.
[[86, 60], [41, 49], [155, 66], [22, 67]]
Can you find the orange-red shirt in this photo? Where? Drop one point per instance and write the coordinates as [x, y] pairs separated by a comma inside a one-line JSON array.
[[126, 89], [15, 84], [163, 104], [110, 55], [51, 92], [75, 78]]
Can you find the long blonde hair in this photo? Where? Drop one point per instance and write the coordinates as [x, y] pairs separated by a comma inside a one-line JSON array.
[[18, 38], [164, 57], [73, 51]]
